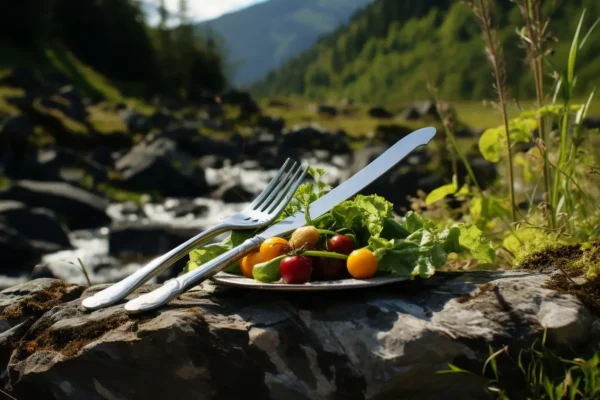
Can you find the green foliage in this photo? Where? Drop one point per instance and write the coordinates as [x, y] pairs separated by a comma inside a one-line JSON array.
[[111, 38], [541, 374], [492, 142], [425, 247], [391, 50]]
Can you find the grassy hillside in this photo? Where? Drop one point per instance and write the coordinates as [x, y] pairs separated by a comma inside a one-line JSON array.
[[261, 37], [391, 50]]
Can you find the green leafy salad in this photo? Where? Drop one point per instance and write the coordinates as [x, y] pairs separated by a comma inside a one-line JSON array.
[[377, 243]]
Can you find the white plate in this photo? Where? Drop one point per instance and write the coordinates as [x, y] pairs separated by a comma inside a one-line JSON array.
[[340, 284]]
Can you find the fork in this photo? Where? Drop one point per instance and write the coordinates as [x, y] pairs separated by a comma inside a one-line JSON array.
[[260, 213]]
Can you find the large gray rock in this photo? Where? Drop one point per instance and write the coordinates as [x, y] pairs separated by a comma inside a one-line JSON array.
[[39, 225], [218, 342], [157, 166], [79, 208], [18, 254]]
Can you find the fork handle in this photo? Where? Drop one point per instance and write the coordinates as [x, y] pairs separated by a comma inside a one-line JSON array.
[[174, 287], [121, 289]]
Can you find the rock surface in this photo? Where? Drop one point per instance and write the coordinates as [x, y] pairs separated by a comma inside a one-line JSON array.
[[79, 208], [220, 342]]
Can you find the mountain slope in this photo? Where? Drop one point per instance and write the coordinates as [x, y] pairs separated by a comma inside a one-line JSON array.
[[260, 38], [390, 51]]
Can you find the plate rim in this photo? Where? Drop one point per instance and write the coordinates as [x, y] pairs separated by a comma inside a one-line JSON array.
[[244, 282]]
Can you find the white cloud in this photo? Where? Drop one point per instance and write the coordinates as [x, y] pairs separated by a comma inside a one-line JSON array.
[[201, 10]]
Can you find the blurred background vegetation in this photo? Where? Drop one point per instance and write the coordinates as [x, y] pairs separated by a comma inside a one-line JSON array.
[[106, 47]]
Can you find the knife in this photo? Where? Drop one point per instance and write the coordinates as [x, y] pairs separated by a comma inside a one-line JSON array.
[[392, 156]]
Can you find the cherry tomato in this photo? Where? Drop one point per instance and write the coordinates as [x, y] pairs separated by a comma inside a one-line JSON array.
[[274, 247], [306, 237], [340, 244], [361, 264], [248, 263], [295, 269], [325, 268]]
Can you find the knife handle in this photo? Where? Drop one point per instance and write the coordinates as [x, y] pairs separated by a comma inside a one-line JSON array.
[[176, 286]]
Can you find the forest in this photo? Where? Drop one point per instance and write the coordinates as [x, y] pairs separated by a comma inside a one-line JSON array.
[[391, 51], [113, 38]]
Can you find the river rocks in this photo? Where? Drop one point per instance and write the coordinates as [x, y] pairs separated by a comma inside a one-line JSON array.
[[391, 133], [327, 110], [380, 112], [136, 122], [22, 305], [18, 254], [145, 239], [425, 109], [242, 99], [158, 166], [219, 342], [38, 225], [79, 208]]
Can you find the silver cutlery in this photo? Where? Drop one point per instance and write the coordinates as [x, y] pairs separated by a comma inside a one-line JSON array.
[[176, 286], [261, 212]]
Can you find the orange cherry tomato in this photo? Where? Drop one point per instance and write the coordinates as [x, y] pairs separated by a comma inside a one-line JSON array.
[[274, 247], [361, 264], [248, 263]]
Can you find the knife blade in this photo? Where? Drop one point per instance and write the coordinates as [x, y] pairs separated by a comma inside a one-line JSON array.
[[392, 156], [355, 183]]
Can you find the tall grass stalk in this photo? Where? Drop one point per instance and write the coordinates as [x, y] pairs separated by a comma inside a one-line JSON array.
[[569, 144], [485, 14], [533, 40]]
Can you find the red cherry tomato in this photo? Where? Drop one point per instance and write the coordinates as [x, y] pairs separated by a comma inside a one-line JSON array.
[[295, 269], [325, 268], [340, 244]]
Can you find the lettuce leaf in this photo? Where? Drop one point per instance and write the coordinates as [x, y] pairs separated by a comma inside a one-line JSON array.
[[426, 248], [206, 253]]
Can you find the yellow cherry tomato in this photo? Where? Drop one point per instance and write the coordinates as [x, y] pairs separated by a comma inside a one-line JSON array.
[[274, 247], [361, 264], [248, 263]]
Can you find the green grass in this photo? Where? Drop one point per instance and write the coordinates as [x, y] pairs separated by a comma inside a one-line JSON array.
[[4, 182], [476, 114], [55, 57]]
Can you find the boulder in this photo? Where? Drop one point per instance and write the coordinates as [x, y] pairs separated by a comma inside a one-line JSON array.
[[136, 121], [39, 226], [380, 112], [21, 77], [242, 99], [391, 133], [309, 138], [224, 342], [425, 109], [161, 119], [15, 132], [146, 239], [233, 192], [183, 208], [19, 124], [158, 166], [22, 305], [78, 208], [327, 110], [273, 125], [591, 123], [18, 254]]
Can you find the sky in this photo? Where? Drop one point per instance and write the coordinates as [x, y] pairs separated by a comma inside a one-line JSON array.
[[202, 10]]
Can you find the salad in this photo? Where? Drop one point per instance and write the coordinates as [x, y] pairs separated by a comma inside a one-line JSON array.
[[359, 238]]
